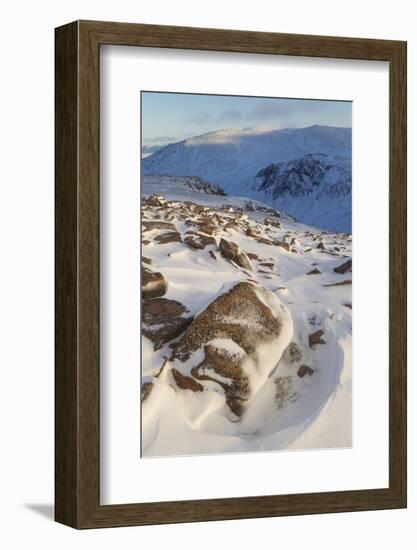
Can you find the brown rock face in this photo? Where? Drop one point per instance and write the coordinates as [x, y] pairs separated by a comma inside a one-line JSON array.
[[231, 251], [344, 268], [316, 338], [240, 318], [163, 320], [154, 283]]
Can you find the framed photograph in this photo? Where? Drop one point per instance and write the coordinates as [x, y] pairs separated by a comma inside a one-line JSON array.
[[230, 274]]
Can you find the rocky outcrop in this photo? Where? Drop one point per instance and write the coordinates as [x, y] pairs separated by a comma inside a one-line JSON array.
[[235, 343]]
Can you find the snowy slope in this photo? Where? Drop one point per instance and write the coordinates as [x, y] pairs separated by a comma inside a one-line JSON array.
[[314, 188], [291, 409], [233, 158]]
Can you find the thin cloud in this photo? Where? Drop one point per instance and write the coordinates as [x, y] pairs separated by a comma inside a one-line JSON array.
[[229, 115]]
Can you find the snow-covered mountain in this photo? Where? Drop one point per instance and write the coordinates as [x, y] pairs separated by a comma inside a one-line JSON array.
[[233, 159], [314, 188]]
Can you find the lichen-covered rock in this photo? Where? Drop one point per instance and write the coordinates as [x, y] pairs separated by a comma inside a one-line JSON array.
[[235, 343], [164, 320], [232, 252]]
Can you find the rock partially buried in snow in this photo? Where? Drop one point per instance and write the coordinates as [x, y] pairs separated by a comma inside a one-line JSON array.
[[315, 271], [154, 283], [168, 237], [344, 268], [235, 343], [303, 370], [316, 338], [231, 251], [163, 320], [199, 241]]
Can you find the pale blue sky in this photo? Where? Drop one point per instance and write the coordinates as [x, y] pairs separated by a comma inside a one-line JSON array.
[[170, 117]]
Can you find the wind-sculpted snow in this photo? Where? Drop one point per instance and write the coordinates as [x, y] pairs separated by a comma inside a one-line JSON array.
[[233, 158], [242, 355]]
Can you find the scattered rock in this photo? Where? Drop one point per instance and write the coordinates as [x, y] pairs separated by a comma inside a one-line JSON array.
[[283, 391], [169, 237], [303, 370], [252, 256], [316, 338], [157, 224], [231, 251], [154, 284], [341, 283], [251, 232], [294, 352], [348, 305], [315, 271], [274, 223], [344, 268], [263, 240], [146, 390], [208, 229], [198, 242], [282, 244], [146, 260], [232, 225], [154, 200], [163, 320], [321, 245], [270, 265]]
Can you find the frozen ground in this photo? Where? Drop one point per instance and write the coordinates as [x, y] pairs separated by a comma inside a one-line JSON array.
[[300, 386]]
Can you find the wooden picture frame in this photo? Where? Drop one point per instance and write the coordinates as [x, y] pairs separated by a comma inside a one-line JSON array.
[[77, 374]]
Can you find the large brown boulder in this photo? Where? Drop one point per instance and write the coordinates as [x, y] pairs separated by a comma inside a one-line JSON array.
[[163, 320], [232, 252], [235, 343]]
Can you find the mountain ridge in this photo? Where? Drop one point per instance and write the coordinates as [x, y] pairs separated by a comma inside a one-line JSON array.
[[233, 158]]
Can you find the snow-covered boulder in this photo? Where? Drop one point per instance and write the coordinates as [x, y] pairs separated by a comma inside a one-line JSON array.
[[233, 345]]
